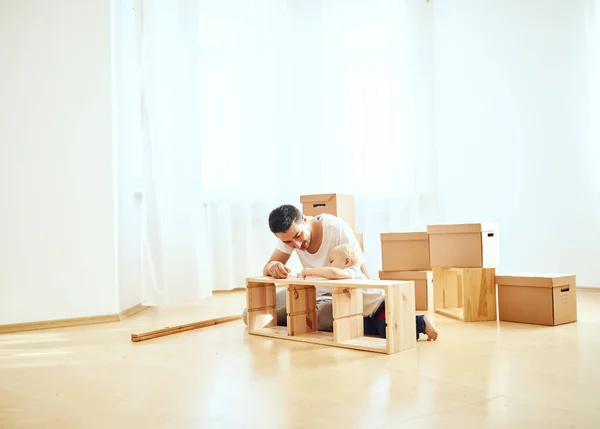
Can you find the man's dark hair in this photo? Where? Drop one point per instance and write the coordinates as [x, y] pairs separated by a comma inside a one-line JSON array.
[[281, 218]]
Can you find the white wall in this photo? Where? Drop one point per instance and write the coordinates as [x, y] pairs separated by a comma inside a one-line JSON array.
[[57, 229], [511, 91]]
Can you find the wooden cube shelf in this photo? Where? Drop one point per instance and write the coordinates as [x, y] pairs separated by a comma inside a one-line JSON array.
[[347, 307], [465, 294]]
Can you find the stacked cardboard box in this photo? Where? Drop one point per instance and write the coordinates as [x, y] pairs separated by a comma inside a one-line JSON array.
[[466, 287], [340, 205], [453, 267], [405, 256], [463, 261]]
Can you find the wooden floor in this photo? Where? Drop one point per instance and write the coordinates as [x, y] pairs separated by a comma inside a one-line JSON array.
[[477, 375]]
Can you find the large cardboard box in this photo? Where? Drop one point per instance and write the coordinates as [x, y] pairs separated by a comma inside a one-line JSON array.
[[359, 237], [465, 294], [469, 245], [339, 205], [538, 299], [423, 286], [405, 251]]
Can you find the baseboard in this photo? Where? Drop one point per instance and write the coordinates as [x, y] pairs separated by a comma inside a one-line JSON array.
[[235, 289], [59, 323], [135, 309], [589, 289], [75, 321]]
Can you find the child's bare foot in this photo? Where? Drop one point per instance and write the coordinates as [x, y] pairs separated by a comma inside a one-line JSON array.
[[430, 330]]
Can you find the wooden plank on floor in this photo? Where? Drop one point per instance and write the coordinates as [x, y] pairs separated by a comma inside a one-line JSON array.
[[182, 328]]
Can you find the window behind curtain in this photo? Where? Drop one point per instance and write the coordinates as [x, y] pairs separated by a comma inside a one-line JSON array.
[[312, 96]]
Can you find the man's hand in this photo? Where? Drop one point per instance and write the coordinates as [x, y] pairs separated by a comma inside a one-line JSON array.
[[278, 270]]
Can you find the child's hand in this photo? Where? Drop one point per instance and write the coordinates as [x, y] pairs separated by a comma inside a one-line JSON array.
[[306, 272]]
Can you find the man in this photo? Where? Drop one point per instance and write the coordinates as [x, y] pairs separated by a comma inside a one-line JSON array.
[[311, 238]]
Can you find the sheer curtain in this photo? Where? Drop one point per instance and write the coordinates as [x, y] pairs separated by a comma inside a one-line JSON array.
[[176, 260], [302, 97], [249, 104]]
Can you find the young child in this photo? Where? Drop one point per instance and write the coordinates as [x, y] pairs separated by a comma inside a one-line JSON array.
[[344, 263]]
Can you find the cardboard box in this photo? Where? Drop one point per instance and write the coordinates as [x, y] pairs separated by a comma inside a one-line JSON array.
[[359, 237], [465, 294], [423, 286], [339, 205], [405, 251], [469, 245], [538, 299]]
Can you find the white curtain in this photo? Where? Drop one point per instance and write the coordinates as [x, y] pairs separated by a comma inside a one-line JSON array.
[[453, 111], [301, 97], [176, 259]]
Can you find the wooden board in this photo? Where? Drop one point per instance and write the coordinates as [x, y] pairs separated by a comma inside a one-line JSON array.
[[318, 281], [400, 317], [369, 344], [453, 313], [182, 328]]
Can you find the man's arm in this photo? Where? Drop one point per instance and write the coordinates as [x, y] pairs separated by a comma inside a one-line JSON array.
[[327, 272], [277, 260]]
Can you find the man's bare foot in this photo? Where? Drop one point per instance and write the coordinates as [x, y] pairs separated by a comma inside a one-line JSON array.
[[430, 330]]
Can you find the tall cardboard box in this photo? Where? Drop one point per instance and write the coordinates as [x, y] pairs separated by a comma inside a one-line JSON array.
[[340, 205], [468, 245], [537, 299], [359, 237], [405, 251], [423, 286]]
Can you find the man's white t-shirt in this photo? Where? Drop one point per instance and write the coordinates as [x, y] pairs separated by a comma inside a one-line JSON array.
[[335, 231]]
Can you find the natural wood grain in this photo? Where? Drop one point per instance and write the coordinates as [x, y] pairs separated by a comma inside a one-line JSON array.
[[472, 290], [182, 328], [366, 343], [400, 318], [302, 318]]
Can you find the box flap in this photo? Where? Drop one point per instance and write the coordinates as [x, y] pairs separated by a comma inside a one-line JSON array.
[[316, 198], [403, 236], [535, 279], [404, 275], [462, 228]]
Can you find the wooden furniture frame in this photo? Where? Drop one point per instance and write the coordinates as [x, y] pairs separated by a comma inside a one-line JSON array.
[[465, 294], [347, 312]]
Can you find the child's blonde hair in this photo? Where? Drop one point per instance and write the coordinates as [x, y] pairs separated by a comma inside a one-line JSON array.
[[350, 251]]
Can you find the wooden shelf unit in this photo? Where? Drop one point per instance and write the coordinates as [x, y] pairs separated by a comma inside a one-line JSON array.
[[347, 309], [465, 294]]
